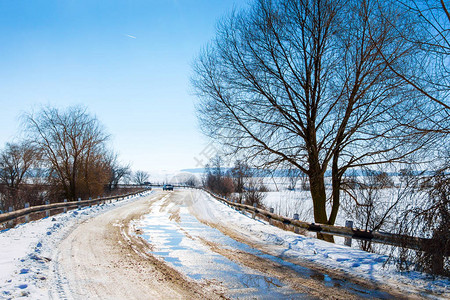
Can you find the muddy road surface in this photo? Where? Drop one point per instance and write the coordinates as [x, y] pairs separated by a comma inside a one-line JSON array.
[[166, 246], [100, 260]]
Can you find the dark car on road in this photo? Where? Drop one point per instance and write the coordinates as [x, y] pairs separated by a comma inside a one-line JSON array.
[[167, 187]]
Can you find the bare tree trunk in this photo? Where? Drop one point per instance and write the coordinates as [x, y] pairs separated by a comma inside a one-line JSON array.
[[336, 187], [318, 194]]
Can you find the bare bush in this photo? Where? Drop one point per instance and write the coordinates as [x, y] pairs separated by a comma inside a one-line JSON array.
[[373, 202], [191, 181], [255, 192], [215, 178], [186, 179], [140, 177], [16, 166], [429, 217]]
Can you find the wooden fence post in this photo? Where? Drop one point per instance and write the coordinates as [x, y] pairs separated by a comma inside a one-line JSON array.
[[348, 240], [296, 230]]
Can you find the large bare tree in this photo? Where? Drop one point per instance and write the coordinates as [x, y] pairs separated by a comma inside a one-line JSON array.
[[73, 144], [308, 84]]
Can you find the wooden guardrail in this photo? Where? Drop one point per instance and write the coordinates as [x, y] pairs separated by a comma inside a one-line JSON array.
[[9, 216], [354, 233]]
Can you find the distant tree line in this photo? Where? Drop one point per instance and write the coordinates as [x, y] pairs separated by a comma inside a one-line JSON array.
[[64, 154], [334, 86], [239, 182]]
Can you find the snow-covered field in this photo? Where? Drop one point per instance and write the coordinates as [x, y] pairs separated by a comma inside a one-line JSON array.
[[26, 251], [288, 245], [287, 203]]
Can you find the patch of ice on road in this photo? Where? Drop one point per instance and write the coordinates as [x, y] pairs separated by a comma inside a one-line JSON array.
[[179, 243], [26, 250]]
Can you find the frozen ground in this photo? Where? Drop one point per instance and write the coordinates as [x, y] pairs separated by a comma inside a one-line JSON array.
[[26, 250], [287, 202]]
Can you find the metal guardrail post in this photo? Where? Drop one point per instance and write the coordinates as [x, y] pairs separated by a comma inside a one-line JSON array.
[[27, 217], [348, 240], [254, 211], [296, 229], [10, 223], [65, 208], [47, 212], [79, 205]]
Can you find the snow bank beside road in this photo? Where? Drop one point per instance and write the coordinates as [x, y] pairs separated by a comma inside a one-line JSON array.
[[26, 250], [289, 245]]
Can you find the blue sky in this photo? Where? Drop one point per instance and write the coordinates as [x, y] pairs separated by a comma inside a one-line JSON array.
[[129, 62]]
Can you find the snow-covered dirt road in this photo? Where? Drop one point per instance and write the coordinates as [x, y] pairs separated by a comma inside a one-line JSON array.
[[100, 260], [106, 258], [214, 244], [185, 244]]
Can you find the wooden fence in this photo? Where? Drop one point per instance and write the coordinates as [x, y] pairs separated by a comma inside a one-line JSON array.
[[9, 216], [354, 233], [274, 219]]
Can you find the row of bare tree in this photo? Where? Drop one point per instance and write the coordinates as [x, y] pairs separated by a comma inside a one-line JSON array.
[[63, 155], [333, 85]]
